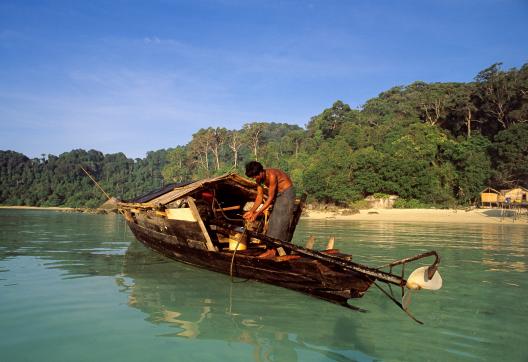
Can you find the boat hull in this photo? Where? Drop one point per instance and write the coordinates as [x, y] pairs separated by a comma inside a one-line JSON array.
[[300, 274]]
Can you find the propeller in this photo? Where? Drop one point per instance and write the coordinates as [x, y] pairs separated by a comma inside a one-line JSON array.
[[422, 278]]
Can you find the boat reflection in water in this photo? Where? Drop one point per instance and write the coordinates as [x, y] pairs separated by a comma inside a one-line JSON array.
[[277, 323]]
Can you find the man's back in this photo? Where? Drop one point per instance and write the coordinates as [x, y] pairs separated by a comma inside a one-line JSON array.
[[283, 180]]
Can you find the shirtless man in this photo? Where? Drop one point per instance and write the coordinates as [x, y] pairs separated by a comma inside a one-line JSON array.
[[280, 193]]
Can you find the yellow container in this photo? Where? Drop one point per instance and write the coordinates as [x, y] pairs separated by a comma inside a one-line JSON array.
[[237, 242]]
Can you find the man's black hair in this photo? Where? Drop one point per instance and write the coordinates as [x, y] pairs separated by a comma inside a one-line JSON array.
[[253, 168]]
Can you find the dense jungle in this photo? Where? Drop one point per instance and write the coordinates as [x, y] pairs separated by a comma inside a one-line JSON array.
[[431, 144]]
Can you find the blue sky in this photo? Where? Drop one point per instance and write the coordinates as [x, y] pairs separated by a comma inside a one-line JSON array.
[[136, 76]]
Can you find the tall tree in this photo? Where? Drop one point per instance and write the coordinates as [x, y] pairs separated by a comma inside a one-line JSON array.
[[177, 169], [234, 141], [253, 135], [218, 139], [495, 96], [199, 148]]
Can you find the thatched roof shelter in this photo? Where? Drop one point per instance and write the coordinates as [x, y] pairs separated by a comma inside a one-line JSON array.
[[490, 196], [516, 195]]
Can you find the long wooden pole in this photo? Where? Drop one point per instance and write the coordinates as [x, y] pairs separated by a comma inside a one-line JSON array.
[[96, 184], [377, 274], [345, 264]]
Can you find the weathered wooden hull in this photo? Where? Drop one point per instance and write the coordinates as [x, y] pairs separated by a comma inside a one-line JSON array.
[[301, 274], [192, 223]]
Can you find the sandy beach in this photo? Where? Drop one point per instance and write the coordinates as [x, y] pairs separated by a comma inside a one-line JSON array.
[[475, 216], [38, 208]]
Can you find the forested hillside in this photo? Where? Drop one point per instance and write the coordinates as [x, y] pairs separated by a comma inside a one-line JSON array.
[[430, 143]]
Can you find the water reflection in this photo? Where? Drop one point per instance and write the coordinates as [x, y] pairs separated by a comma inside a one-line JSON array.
[[501, 247], [276, 323], [79, 245], [504, 248]]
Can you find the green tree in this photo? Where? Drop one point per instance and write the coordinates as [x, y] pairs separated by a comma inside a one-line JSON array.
[[328, 176], [511, 156], [330, 122]]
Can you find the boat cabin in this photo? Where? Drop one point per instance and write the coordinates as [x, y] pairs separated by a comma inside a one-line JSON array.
[[200, 212]]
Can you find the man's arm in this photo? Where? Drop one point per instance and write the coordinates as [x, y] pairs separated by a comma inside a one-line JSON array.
[[258, 200], [272, 191]]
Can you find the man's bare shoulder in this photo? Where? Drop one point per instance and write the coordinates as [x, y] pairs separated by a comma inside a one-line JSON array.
[[281, 178], [276, 172]]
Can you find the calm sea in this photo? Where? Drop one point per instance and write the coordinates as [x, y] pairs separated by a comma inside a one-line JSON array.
[[77, 287]]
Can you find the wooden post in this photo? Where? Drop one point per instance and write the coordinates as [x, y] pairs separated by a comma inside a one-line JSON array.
[[330, 244], [310, 242], [198, 218]]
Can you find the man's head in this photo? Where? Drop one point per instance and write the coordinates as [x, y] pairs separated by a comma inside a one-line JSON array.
[[253, 169]]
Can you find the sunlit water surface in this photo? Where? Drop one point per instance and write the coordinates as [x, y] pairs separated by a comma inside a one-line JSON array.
[[77, 287]]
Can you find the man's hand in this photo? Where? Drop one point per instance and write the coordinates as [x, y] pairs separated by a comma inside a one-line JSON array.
[[250, 215]]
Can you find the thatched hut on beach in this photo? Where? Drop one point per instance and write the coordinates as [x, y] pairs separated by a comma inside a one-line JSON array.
[[510, 197], [517, 195], [490, 197]]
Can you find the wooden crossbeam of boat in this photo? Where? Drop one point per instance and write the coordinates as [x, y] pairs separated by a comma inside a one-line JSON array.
[[148, 206], [228, 208], [196, 214], [129, 205]]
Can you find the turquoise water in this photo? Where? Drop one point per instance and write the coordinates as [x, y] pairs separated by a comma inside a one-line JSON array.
[[77, 287]]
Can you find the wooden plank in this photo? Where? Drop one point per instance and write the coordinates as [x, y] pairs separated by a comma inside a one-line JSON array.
[[196, 214], [183, 214]]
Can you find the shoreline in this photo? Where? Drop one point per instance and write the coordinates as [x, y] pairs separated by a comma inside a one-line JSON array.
[[53, 208], [63, 209], [455, 216]]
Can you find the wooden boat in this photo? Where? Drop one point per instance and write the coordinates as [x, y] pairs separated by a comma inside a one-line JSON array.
[[201, 224]]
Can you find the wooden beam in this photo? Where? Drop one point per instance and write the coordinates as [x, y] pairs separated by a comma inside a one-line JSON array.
[[196, 214], [229, 208], [310, 242], [330, 244]]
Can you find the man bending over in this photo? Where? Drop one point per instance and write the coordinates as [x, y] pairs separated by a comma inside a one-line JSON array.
[[281, 195]]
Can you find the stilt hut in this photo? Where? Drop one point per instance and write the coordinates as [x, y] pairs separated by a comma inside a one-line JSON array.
[[490, 198], [517, 195]]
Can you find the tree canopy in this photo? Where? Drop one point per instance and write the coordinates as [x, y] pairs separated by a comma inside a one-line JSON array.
[[435, 143]]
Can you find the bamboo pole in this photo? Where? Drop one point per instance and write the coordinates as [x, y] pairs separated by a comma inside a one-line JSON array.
[[96, 184]]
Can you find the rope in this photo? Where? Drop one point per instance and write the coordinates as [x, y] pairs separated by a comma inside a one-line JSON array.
[[233, 261], [238, 242], [231, 266]]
